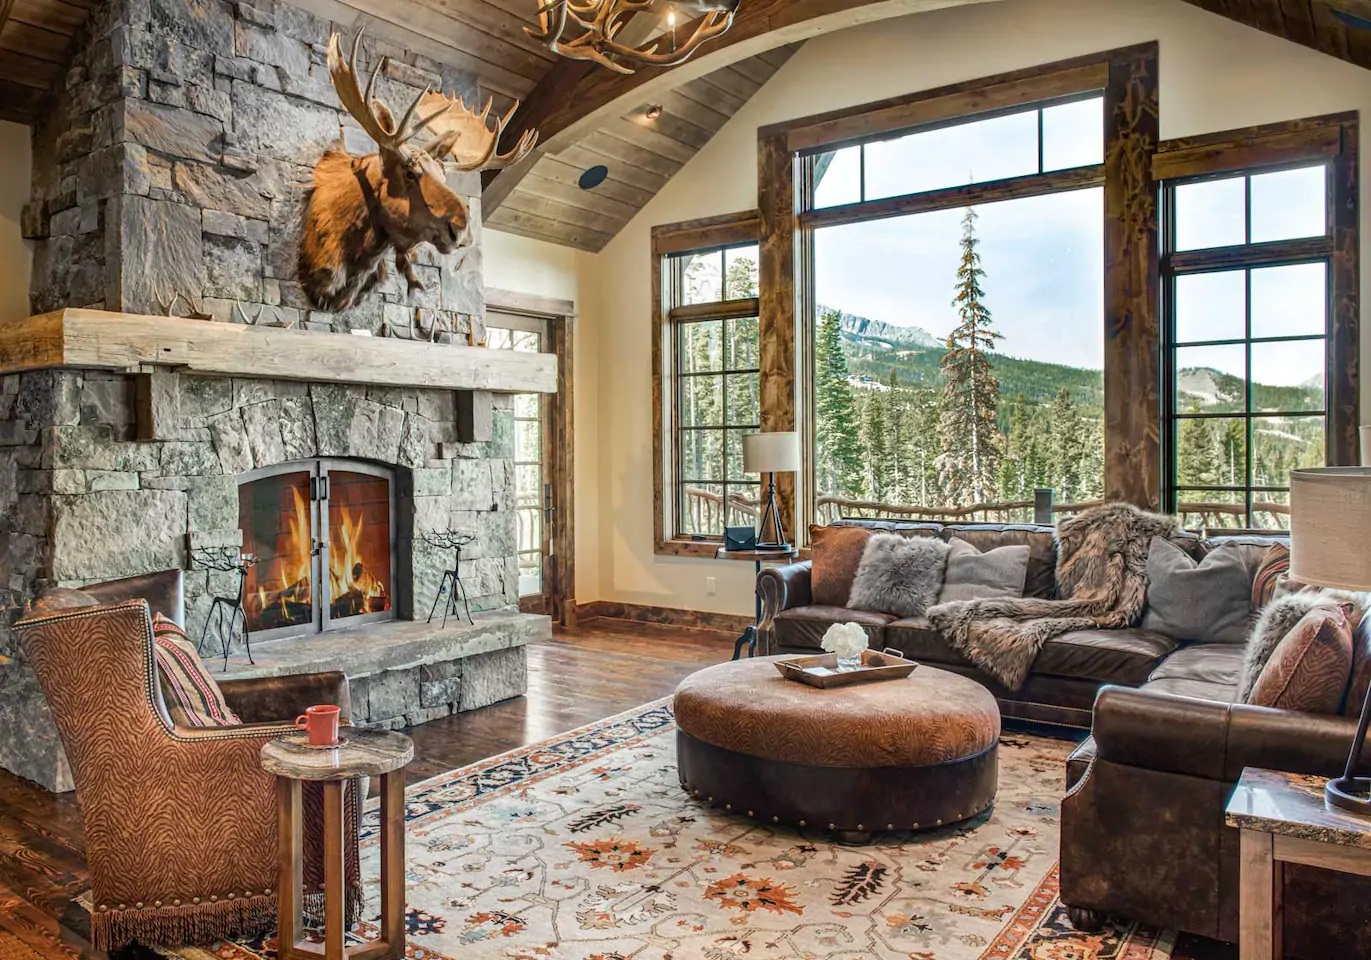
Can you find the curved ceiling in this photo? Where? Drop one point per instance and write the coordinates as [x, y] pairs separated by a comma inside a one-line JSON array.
[[588, 115]]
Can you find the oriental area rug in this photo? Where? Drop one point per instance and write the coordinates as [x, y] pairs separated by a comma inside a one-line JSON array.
[[585, 847]]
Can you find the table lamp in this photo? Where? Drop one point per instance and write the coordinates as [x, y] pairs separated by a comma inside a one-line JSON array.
[[771, 453], [1330, 546]]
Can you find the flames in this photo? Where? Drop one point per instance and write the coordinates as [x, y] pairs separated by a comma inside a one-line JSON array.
[[287, 598], [350, 581]]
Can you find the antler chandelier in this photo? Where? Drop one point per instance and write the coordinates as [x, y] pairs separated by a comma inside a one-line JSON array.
[[594, 29]]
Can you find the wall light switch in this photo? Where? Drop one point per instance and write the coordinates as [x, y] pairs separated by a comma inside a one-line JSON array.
[[709, 586]]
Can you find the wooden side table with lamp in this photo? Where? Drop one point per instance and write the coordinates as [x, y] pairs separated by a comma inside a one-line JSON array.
[[1291, 818], [769, 453]]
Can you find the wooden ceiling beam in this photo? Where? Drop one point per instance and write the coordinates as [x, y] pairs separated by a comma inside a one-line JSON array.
[[576, 97]]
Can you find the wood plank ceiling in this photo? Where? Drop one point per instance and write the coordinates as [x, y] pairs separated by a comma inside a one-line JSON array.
[[641, 155], [486, 37], [35, 47]]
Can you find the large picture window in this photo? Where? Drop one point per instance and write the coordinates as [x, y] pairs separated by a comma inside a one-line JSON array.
[[958, 316], [710, 384], [1247, 303]]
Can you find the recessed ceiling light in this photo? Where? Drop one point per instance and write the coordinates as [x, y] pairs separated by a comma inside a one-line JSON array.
[[593, 177], [654, 111]]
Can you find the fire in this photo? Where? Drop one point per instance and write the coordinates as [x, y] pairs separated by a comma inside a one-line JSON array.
[[353, 588], [350, 581]]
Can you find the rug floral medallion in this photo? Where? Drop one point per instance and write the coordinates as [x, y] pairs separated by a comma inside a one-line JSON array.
[[585, 847]]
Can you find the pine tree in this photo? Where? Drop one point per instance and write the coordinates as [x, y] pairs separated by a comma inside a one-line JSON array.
[[875, 442], [835, 420], [969, 462], [1195, 449], [1067, 447]]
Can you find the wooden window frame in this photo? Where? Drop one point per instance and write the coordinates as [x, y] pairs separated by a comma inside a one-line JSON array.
[[1128, 78], [671, 239], [1330, 139]]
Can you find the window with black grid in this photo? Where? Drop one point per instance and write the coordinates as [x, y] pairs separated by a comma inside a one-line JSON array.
[[716, 398], [1246, 294]]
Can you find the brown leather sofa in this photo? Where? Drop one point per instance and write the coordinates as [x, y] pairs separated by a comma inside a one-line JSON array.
[[1143, 833], [180, 823], [1068, 673]]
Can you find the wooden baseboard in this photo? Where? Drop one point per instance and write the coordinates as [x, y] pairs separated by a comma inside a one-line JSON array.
[[672, 616]]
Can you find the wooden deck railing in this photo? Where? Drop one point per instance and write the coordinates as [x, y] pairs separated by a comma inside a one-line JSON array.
[[707, 512]]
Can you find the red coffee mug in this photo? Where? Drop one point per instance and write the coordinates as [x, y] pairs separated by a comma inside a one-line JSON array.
[[321, 722]]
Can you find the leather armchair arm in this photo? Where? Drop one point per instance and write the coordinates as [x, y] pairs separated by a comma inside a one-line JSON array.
[[282, 699], [780, 588], [784, 587], [1204, 738]]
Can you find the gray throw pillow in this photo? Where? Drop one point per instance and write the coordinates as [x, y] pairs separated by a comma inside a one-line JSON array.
[[972, 575], [1210, 601], [899, 575]]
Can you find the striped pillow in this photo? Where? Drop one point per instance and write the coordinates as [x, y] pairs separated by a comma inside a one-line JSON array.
[[193, 698], [1274, 565]]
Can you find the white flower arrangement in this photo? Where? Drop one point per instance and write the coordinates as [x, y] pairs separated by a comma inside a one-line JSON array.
[[847, 640]]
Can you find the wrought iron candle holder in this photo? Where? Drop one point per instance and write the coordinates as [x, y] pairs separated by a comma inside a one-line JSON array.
[[225, 560], [451, 584]]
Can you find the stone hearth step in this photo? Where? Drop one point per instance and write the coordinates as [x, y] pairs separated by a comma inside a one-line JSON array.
[[405, 672]]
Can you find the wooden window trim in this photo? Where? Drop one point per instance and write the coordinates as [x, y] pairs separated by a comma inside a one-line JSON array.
[[1332, 139], [668, 239], [1128, 77], [1001, 93]]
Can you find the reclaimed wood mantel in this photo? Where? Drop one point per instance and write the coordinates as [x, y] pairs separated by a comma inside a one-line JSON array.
[[101, 340]]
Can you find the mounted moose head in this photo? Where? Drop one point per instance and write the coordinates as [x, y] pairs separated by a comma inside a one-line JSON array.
[[361, 208]]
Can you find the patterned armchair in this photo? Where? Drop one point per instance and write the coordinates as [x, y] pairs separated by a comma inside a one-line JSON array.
[[180, 823]]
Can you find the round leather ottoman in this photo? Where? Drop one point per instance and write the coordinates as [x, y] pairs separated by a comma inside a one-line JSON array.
[[906, 754]]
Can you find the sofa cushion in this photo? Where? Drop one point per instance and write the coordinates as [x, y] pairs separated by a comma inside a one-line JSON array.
[[1197, 689], [806, 626], [975, 575], [836, 553], [1125, 657], [1211, 600], [1040, 579], [1212, 663], [1309, 669]]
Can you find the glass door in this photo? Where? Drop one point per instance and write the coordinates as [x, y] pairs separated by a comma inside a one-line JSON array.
[[533, 489]]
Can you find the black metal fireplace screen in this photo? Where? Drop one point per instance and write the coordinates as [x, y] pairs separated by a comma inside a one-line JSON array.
[[324, 533]]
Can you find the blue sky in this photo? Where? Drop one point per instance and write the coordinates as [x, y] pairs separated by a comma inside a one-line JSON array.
[[1044, 256]]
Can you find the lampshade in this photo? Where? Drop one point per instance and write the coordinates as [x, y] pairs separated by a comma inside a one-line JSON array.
[[771, 452], [1330, 527]]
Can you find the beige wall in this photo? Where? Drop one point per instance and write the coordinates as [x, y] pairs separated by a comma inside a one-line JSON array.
[[533, 267], [14, 193], [1215, 75]]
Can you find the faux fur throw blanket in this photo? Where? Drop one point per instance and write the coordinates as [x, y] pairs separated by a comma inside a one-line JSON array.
[[1101, 580]]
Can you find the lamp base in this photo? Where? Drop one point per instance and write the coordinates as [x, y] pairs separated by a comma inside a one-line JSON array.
[[773, 546], [1352, 794]]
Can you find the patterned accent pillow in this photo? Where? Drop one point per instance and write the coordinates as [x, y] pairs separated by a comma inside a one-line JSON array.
[[1310, 667], [836, 552], [193, 698], [1274, 565]]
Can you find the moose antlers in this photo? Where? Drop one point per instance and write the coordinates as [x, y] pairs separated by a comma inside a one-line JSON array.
[[473, 143], [460, 134], [589, 30]]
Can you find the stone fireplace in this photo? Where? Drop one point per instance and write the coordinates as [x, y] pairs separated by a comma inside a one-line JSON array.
[[173, 168]]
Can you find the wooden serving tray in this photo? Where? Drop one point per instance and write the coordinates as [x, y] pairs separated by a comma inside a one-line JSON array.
[[822, 671]]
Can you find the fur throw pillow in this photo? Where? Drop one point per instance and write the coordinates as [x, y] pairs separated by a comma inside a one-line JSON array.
[[1276, 620], [899, 575]]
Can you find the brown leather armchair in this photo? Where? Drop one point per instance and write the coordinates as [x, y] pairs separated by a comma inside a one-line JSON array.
[[180, 823]]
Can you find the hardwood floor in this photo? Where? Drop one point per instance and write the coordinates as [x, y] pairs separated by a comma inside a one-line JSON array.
[[601, 668]]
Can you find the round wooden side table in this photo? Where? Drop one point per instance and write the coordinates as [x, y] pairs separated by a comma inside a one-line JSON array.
[[360, 753]]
